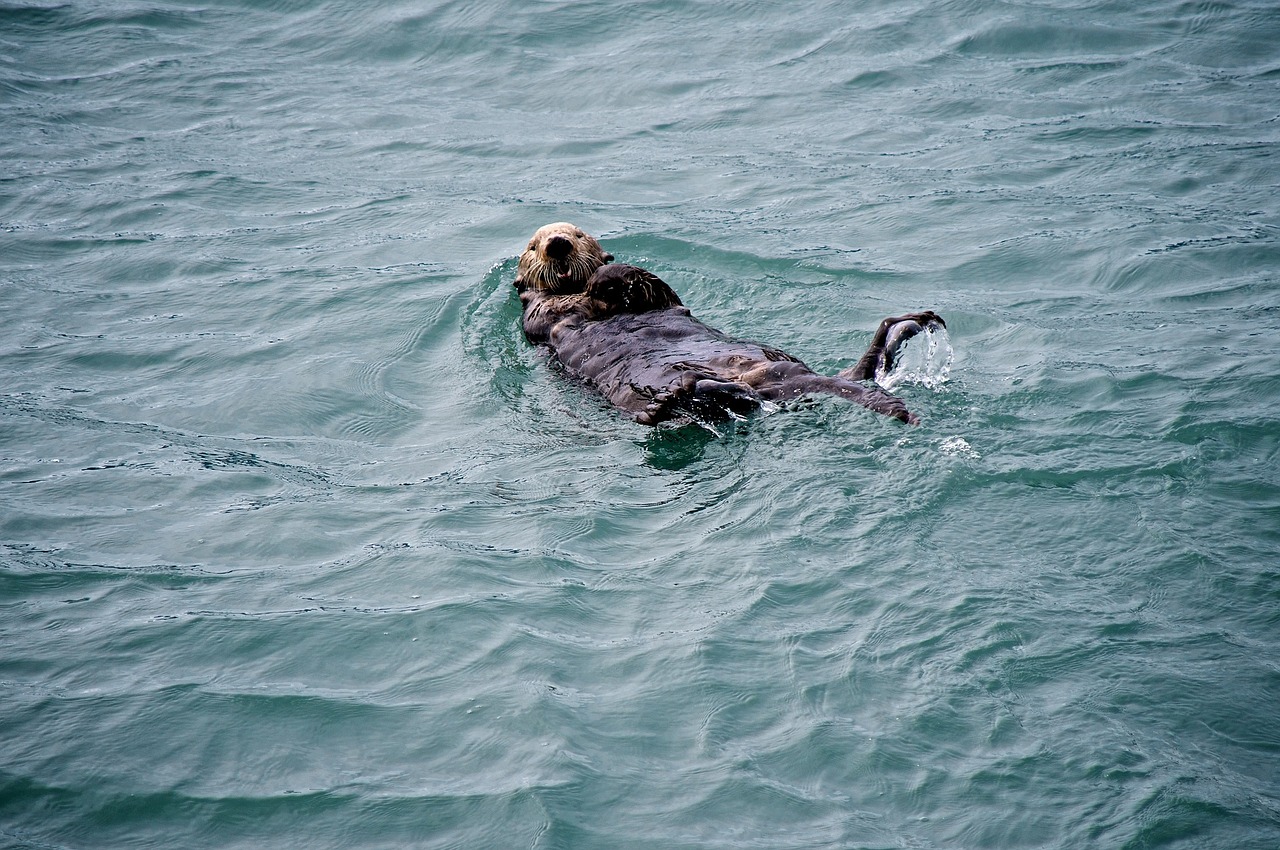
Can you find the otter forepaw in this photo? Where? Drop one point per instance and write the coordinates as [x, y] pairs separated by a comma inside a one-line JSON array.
[[662, 405], [721, 397]]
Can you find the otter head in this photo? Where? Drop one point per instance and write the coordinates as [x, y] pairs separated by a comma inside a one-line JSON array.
[[559, 259]]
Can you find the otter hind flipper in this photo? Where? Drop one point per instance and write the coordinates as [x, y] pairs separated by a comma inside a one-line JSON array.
[[889, 338]]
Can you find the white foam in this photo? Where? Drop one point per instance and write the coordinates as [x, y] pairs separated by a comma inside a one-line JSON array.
[[958, 447]]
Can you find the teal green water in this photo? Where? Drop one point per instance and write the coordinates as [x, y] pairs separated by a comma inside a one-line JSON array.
[[302, 545]]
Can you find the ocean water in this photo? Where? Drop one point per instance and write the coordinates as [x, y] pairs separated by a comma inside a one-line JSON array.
[[302, 545]]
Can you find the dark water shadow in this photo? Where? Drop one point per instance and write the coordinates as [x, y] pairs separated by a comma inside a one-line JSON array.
[[676, 447]]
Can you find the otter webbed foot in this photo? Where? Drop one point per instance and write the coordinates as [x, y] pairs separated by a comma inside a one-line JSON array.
[[903, 328], [889, 338]]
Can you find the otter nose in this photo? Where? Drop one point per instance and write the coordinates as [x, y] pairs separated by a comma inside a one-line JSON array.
[[558, 247]]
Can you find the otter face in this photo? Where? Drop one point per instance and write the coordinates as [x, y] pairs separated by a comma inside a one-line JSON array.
[[559, 259]]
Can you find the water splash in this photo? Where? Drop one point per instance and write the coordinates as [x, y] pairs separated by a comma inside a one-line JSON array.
[[958, 447], [924, 359]]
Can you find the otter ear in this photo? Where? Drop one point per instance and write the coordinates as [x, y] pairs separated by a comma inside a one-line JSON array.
[[608, 258]]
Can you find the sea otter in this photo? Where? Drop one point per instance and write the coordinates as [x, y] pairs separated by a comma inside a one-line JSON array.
[[624, 331]]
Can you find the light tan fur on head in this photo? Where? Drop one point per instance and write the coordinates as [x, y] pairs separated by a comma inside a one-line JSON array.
[[559, 259]]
